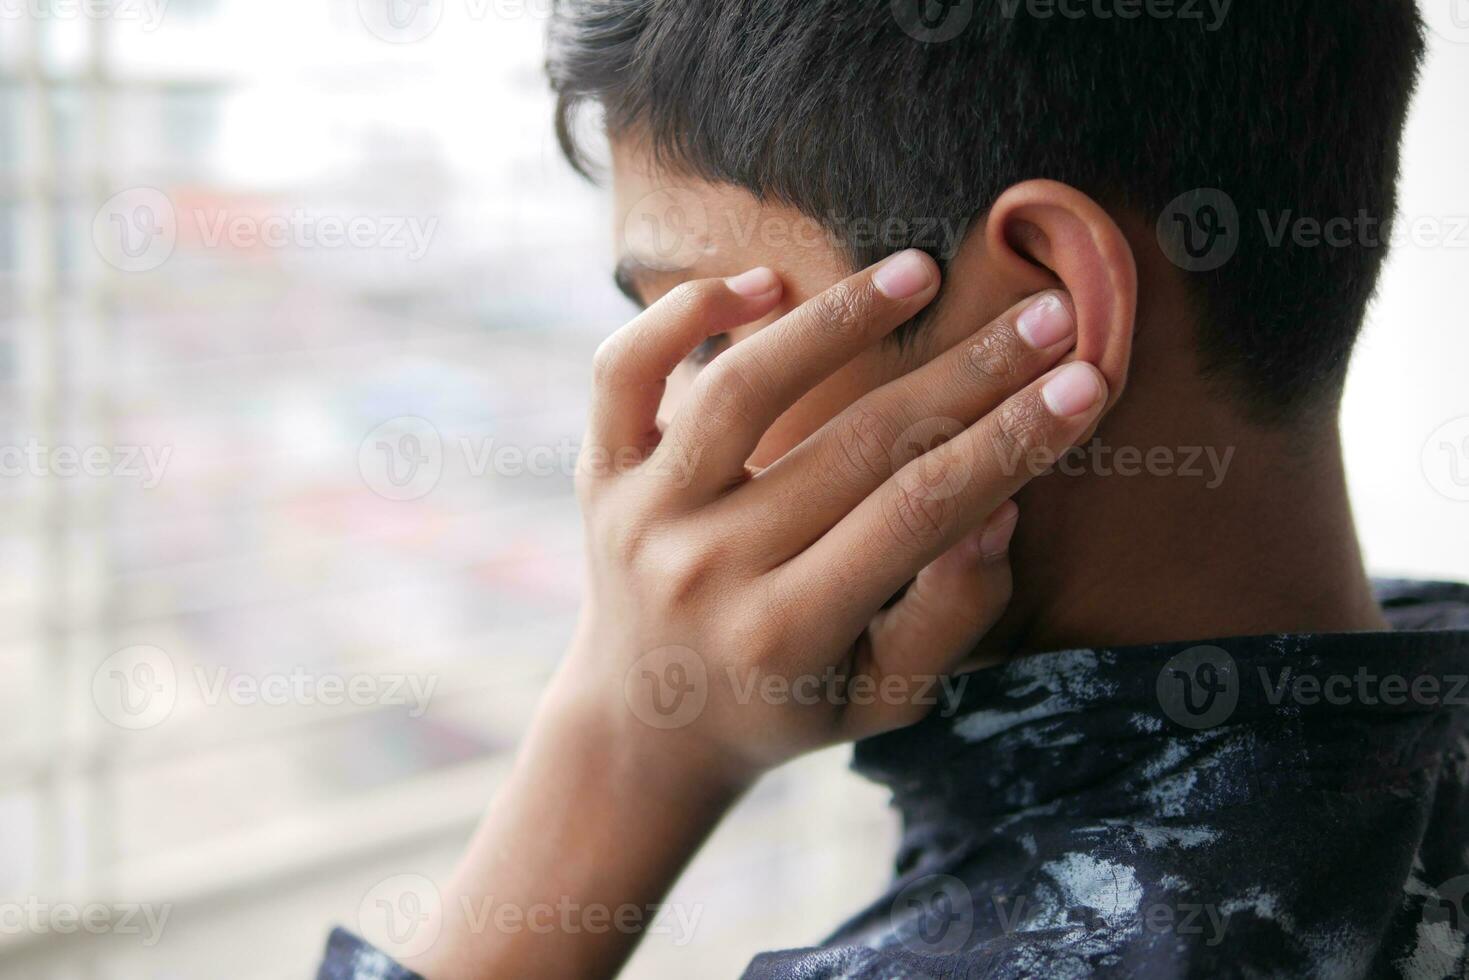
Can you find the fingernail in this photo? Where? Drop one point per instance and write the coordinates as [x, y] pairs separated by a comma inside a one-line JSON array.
[[1072, 390], [754, 284], [905, 274], [994, 540], [1046, 322]]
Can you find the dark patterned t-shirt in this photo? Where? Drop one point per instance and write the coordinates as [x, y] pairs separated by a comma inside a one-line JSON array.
[[1286, 806]]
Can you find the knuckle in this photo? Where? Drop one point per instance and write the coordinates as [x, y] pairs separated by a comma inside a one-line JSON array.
[[607, 361], [916, 516], [685, 571], [731, 393], [694, 298], [994, 357], [866, 443], [1016, 431], [625, 541], [843, 309]]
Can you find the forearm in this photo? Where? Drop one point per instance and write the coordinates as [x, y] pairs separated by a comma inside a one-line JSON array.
[[592, 828]]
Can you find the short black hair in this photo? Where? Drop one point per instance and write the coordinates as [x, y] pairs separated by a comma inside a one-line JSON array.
[[880, 109]]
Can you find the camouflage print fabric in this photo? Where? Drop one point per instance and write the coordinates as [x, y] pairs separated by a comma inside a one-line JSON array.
[[1287, 806], [1279, 806]]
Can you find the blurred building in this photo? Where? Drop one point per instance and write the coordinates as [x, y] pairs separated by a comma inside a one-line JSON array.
[[176, 193]]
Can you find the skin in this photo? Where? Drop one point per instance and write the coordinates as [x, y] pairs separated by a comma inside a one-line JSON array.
[[752, 515]]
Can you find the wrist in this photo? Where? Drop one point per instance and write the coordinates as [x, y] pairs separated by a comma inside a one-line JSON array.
[[587, 724]]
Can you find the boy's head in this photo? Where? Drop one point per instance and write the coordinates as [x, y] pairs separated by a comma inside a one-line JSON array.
[[817, 137]]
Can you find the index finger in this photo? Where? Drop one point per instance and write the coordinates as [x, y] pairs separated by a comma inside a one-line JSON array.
[[632, 366], [746, 389]]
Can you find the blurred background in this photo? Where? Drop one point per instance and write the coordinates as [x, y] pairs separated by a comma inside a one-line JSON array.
[[297, 302]]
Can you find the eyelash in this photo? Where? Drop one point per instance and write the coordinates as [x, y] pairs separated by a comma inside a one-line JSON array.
[[709, 349]]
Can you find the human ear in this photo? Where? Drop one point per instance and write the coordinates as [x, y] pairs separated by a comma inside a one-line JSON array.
[[1042, 233]]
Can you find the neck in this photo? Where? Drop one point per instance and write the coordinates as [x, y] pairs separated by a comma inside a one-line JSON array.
[[1251, 535]]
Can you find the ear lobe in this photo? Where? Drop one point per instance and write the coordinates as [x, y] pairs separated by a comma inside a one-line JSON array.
[[1042, 223]]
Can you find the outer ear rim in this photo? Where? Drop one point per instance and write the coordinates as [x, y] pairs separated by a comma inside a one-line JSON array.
[[1085, 250]]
